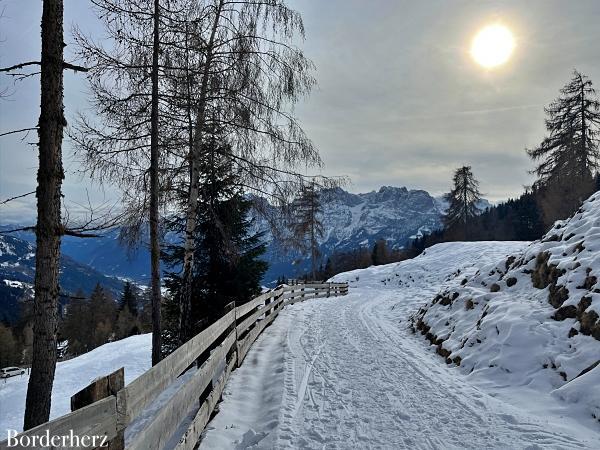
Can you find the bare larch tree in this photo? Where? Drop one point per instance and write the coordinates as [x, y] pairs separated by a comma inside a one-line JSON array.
[[126, 146], [251, 74], [308, 226]]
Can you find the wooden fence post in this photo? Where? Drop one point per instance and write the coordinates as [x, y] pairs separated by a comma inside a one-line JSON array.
[[267, 302], [99, 389]]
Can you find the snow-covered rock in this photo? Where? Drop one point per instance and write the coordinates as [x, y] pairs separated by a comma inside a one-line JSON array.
[[530, 319]]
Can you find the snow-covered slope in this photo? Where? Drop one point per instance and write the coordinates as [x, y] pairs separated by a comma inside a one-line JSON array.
[[73, 375], [433, 268], [530, 319]]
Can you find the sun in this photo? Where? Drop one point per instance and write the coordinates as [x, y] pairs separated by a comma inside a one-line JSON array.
[[492, 46]]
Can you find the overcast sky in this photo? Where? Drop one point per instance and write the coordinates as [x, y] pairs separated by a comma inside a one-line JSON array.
[[400, 101]]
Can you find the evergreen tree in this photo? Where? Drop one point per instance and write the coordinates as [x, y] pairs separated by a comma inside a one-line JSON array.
[[569, 155], [380, 254], [462, 201], [76, 326], [102, 315], [126, 324], [9, 348], [308, 227], [329, 269], [129, 299], [571, 149], [227, 264]]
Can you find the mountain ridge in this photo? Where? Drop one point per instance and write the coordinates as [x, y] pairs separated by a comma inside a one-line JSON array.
[[17, 270], [351, 220]]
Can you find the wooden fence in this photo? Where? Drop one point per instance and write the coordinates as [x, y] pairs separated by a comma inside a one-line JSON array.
[[108, 408]]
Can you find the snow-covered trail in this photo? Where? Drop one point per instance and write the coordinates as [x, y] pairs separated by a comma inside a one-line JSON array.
[[338, 373], [348, 373]]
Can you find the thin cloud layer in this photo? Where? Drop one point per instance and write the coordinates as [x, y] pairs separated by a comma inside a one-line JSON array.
[[400, 102]]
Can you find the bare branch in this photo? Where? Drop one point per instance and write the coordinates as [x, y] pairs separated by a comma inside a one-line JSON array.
[[20, 66], [4, 202], [23, 130]]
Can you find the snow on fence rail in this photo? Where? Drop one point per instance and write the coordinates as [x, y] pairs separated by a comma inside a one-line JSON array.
[[112, 409]]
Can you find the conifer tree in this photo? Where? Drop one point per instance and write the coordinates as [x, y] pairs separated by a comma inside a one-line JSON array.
[[102, 315], [129, 299], [569, 155], [75, 326], [9, 350], [380, 254], [571, 149], [462, 200], [225, 248]]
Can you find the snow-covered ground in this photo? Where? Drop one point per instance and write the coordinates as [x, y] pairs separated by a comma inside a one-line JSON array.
[[349, 372], [73, 375]]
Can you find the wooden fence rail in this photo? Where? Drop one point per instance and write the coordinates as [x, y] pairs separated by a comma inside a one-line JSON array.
[[216, 351]]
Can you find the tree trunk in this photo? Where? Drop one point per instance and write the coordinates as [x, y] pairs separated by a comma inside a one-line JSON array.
[[465, 209], [313, 238], [185, 301], [48, 227], [584, 149], [154, 198]]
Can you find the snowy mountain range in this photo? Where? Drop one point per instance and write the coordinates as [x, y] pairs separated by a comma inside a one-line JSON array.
[[17, 270], [396, 214]]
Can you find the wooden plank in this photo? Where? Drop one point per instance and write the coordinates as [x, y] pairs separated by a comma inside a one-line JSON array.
[[97, 419], [296, 294], [190, 438], [313, 286], [323, 294], [244, 309], [169, 418], [249, 321], [99, 389], [141, 391], [245, 345]]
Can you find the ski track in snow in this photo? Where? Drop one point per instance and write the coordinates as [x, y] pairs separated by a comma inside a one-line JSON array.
[[346, 372]]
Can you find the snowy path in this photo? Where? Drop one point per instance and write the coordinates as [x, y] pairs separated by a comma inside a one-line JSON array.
[[348, 373]]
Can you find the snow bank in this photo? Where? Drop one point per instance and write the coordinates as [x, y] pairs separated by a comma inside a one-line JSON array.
[[133, 353], [432, 268], [530, 319]]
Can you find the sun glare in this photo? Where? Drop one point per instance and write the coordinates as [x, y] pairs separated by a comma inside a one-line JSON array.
[[492, 46]]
